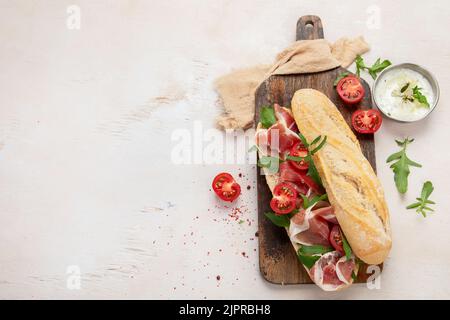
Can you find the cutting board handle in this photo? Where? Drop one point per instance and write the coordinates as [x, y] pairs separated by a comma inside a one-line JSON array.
[[309, 28]]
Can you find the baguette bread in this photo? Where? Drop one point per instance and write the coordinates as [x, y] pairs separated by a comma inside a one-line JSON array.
[[351, 184]]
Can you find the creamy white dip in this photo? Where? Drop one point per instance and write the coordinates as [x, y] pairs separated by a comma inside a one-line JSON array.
[[395, 103]]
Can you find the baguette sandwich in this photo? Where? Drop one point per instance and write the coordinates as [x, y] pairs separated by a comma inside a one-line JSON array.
[[325, 192]]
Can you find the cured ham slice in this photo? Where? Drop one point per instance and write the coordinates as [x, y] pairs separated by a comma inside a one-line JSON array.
[[285, 117], [289, 173], [307, 228], [281, 138], [326, 213], [332, 271], [345, 268]]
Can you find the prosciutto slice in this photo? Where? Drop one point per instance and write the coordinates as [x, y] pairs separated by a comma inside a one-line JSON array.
[[309, 229], [285, 117], [281, 138], [332, 271]]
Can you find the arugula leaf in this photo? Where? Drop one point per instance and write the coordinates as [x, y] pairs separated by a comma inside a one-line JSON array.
[[303, 140], [312, 170], [354, 276], [346, 246], [310, 202], [373, 70], [267, 117], [401, 166], [278, 220], [321, 144], [339, 77], [308, 255], [271, 163], [314, 249], [417, 95], [359, 62], [307, 261], [313, 173], [377, 67], [422, 205], [305, 201], [316, 199], [253, 148]]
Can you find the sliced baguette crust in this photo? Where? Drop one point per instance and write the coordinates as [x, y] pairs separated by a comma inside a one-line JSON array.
[[352, 186]]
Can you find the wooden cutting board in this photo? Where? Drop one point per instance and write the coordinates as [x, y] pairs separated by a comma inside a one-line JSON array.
[[277, 259]]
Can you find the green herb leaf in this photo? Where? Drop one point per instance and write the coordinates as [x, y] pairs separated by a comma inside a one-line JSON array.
[[310, 202], [413, 206], [322, 143], [346, 246], [297, 159], [401, 166], [373, 70], [417, 95], [316, 199], [354, 276], [305, 201], [303, 139], [359, 62], [312, 170], [278, 220], [308, 255], [421, 206], [253, 148], [377, 67], [314, 249], [339, 77], [404, 88], [307, 261], [317, 139], [267, 117], [271, 163], [313, 173]]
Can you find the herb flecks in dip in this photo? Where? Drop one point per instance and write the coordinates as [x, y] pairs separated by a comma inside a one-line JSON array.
[[404, 94]]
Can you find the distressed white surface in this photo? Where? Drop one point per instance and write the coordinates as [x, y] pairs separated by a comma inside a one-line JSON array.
[[85, 123]]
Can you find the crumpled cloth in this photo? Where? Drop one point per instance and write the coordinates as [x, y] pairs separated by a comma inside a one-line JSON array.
[[237, 89]]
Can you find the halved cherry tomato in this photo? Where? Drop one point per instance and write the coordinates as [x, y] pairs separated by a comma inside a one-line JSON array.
[[366, 121], [284, 198], [350, 90], [336, 238], [226, 187], [298, 150]]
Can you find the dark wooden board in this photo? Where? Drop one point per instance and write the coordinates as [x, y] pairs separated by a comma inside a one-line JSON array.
[[277, 259]]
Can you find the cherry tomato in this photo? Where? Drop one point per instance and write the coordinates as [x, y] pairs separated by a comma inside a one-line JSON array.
[[298, 150], [284, 198], [350, 90], [366, 121], [226, 187], [336, 238]]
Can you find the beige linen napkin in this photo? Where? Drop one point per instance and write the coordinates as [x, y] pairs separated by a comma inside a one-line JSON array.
[[237, 89]]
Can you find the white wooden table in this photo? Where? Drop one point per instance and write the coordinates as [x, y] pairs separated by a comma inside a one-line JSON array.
[[88, 190]]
